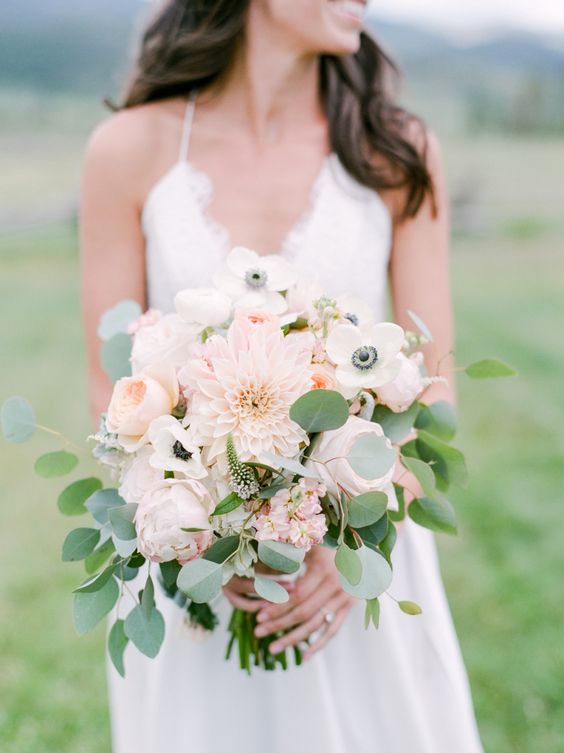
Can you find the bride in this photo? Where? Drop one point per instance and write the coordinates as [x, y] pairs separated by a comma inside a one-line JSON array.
[[268, 124]]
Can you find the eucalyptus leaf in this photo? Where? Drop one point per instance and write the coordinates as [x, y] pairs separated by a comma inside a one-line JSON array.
[[201, 580], [117, 641], [270, 590], [90, 608], [372, 613], [99, 503], [96, 582], [116, 320], [320, 410], [438, 419], [489, 368], [371, 456], [145, 632], [271, 490], [148, 598], [422, 472], [71, 500], [367, 508], [281, 556], [375, 533], [288, 464], [387, 544], [410, 607], [448, 462], [222, 549], [54, 464], [115, 357], [169, 572], [79, 543], [396, 426], [376, 575], [228, 504], [17, 420], [348, 564], [436, 514], [124, 548], [99, 556], [121, 520]]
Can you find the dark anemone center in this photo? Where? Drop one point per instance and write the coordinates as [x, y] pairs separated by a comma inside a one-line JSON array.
[[256, 278], [180, 452], [364, 357], [353, 318]]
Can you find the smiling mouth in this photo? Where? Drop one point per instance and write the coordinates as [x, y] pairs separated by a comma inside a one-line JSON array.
[[353, 9]]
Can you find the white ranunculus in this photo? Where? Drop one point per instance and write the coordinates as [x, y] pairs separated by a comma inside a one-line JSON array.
[[139, 476], [332, 450], [400, 393], [366, 358], [174, 448], [162, 514], [255, 282], [169, 339], [208, 307]]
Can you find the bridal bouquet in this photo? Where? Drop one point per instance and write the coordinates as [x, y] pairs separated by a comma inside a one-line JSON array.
[[259, 419]]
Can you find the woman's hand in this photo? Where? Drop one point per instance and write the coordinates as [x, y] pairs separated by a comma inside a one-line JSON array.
[[314, 598]]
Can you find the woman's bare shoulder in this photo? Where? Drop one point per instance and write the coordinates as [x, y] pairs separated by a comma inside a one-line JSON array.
[[134, 141]]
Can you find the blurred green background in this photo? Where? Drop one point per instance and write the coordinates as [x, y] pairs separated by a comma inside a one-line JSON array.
[[498, 108]]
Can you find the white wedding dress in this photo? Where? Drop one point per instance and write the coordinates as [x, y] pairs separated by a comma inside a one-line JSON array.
[[401, 689]]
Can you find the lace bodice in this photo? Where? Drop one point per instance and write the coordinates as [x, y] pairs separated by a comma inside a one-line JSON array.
[[342, 240]]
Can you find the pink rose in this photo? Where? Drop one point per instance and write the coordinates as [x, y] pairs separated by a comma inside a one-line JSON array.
[[167, 338], [332, 449], [162, 514], [400, 393], [138, 400]]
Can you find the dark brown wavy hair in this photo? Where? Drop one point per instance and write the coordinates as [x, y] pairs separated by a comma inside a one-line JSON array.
[[190, 44]]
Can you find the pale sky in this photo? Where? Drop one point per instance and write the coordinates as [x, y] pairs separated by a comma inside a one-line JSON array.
[[535, 15]]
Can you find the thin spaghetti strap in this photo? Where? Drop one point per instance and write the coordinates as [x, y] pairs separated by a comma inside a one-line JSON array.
[[187, 126]]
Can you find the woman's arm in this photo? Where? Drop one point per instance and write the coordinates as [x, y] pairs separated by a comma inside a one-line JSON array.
[[419, 276], [111, 240]]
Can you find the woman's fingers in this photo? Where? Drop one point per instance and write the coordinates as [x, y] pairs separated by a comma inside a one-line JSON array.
[[243, 602], [241, 585], [341, 611], [298, 613], [316, 621], [303, 588]]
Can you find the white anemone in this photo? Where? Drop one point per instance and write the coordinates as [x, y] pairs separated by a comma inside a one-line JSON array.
[[174, 448], [366, 357], [354, 310], [254, 281]]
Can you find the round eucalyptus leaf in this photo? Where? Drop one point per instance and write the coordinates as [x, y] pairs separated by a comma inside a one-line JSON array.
[[422, 472], [121, 520], [271, 590], [222, 549], [436, 514], [55, 464], [145, 632], [72, 498], [367, 508], [96, 582], [439, 419], [115, 321], [201, 580], [100, 503], [396, 426], [371, 456], [348, 564], [79, 543], [320, 410], [99, 556], [281, 556], [90, 608], [17, 420], [376, 575], [115, 355]]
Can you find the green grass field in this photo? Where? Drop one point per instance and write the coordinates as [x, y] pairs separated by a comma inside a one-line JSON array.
[[503, 572]]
